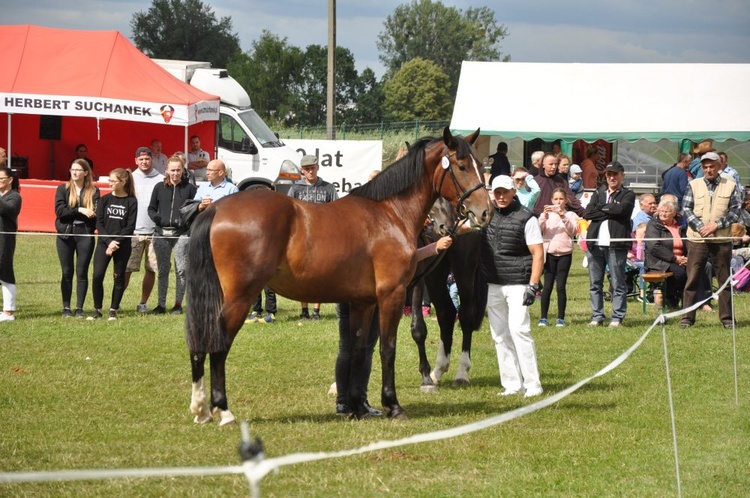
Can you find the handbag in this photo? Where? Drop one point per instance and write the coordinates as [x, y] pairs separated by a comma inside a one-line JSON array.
[[67, 233], [188, 212]]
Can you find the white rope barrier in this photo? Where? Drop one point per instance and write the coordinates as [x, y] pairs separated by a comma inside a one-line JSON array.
[[257, 468]]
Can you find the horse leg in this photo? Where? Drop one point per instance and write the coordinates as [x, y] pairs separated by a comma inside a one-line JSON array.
[[198, 405], [419, 334], [464, 363], [446, 315], [219, 405], [236, 307], [390, 313]]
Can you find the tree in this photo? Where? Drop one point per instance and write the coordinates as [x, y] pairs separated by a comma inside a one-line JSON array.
[[443, 35], [270, 72], [184, 29], [311, 94], [368, 100], [419, 90]]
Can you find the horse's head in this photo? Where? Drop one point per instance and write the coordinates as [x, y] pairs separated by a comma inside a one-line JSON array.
[[459, 180], [442, 217]]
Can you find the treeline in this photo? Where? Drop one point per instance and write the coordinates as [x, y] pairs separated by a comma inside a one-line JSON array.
[[422, 45]]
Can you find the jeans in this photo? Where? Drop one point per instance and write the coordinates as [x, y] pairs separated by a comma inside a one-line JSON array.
[[599, 257], [163, 247]]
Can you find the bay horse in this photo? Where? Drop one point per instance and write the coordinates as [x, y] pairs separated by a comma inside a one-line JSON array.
[[461, 259], [360, 249]]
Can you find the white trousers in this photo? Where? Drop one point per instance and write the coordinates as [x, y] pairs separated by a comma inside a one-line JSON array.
[[9, 296], [511, 330]]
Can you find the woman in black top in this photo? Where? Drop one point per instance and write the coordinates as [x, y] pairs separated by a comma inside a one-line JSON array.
[[75, 209], [10, 206], [171, 234], [115, 221]]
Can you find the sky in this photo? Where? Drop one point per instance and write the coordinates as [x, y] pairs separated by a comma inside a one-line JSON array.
[[683, 31]]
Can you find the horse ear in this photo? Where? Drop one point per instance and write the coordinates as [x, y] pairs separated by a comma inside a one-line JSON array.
[[450, 142], [472, 138]]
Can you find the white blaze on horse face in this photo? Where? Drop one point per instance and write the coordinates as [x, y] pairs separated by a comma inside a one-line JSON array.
[[476, 169]]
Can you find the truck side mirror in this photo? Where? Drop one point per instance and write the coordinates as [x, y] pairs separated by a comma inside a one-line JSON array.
[[248, 147]]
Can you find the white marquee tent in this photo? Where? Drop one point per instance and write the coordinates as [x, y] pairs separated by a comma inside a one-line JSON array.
[[604, 101]]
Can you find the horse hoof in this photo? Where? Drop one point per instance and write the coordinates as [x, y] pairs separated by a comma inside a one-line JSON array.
[[428, 389], [203, 419], [435, 378], [399, 415], [460, 382]]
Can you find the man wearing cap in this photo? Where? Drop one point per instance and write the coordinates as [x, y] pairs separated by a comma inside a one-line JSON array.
[[217, 186], [710, 206], [608, 241], [695, 165], [312, 188], [500, 163], [145, 178], [511, 261]]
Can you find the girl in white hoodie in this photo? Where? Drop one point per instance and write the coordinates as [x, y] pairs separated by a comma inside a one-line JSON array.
[[558, 229]]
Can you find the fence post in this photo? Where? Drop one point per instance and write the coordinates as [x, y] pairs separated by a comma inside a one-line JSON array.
[[343, 130]]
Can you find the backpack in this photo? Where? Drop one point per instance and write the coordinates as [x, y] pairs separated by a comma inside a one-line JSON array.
[[742, 279]]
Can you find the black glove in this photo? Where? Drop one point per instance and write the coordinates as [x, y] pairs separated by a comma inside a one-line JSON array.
[[529, 296]]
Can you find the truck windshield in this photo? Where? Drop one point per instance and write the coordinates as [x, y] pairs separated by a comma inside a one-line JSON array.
[[259, 128]]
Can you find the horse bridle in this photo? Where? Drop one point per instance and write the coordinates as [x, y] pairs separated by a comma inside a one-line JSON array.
[[460, 207]]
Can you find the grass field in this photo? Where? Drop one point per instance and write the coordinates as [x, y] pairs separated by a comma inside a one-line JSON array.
[[78, 395]]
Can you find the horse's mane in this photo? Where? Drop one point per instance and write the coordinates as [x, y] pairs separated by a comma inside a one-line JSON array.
[[404, 172], [397, 177]]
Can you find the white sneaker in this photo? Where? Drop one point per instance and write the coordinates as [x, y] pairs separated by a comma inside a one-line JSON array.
[[142, 308], [530, 393], [4, 317], [508, 392]]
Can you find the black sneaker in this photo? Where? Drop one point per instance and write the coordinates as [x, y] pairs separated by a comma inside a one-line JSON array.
[[79, 313], [305, 315], [66, 313], [177, 310], [316, 315], [112, 315], [95, 315], [159, 310], [343, 410], [372, 412]]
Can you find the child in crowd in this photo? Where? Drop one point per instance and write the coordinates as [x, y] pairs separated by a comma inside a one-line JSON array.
[[558, 226], [575, 180]]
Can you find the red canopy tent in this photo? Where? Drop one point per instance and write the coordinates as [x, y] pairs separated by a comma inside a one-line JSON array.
[[100, 90], [109, 94]]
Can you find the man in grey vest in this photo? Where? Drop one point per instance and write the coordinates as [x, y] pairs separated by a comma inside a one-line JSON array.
[[511, 261], [710, 206]]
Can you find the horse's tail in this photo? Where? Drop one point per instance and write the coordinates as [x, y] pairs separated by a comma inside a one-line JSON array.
[[204, 324]]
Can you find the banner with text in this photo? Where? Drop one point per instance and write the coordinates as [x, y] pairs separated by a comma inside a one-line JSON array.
[[345, 163]]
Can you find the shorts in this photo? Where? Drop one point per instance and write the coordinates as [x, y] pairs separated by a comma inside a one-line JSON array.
[[140, 244]]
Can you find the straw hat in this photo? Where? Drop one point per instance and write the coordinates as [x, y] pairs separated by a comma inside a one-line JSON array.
[[704, 146]]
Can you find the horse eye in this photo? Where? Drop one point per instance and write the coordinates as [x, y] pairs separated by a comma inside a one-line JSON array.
[[462, 166]]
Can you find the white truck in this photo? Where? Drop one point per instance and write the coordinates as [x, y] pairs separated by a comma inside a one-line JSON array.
[[253, 153]]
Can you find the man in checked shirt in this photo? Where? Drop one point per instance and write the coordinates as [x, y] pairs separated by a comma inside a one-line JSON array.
[[710, 206]]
